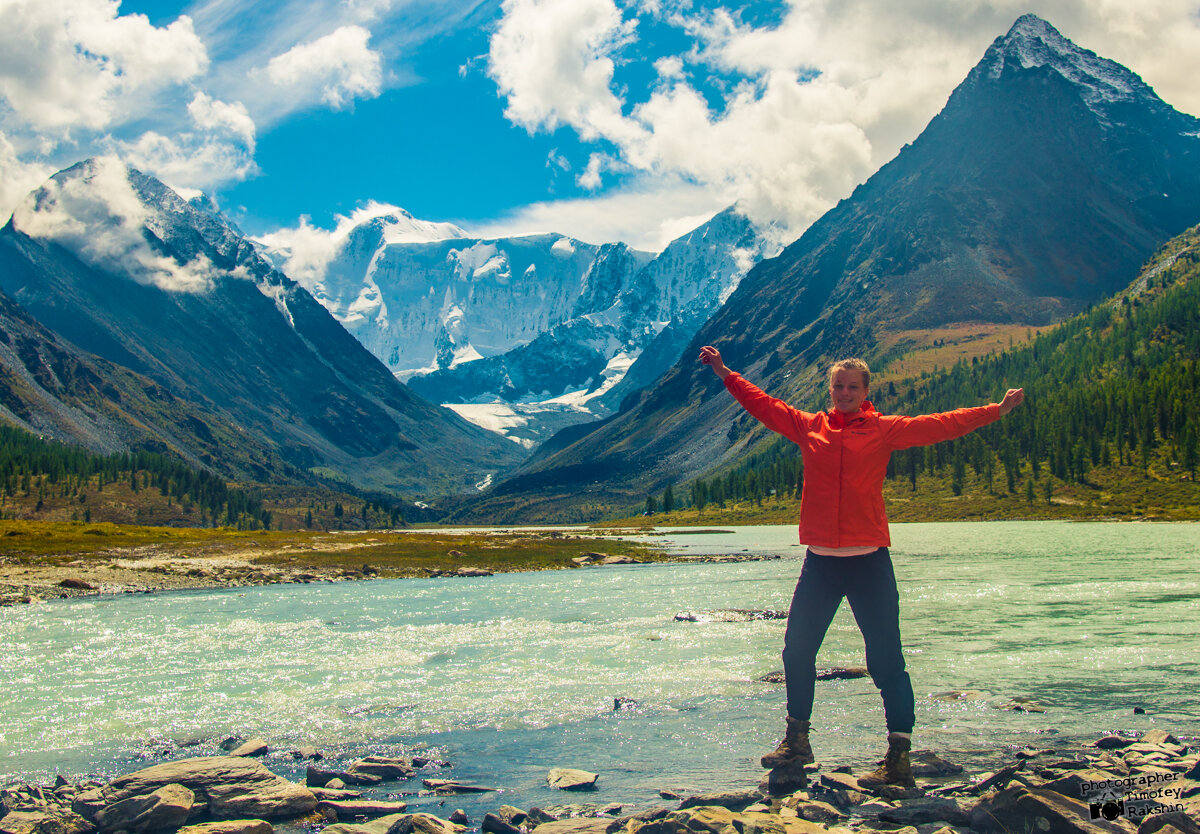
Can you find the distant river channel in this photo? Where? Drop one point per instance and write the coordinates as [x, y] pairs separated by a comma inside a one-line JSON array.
[[510, 675]]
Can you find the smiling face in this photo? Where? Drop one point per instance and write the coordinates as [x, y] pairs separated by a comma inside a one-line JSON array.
[[847, 390]]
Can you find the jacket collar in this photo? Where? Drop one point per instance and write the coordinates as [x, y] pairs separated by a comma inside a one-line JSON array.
[[839, 420]]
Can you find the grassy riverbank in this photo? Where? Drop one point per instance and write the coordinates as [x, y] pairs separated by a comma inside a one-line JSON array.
[[35, 557]]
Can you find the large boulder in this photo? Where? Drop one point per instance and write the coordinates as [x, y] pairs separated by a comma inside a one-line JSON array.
[[166, 807], [224, 786], [1043, 811], [930, 809], [44, 822]]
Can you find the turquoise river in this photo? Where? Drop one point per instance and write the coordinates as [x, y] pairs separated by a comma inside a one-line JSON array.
[[510, 675]]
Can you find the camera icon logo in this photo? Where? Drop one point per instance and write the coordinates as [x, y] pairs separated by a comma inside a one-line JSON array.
[[1110, 809]]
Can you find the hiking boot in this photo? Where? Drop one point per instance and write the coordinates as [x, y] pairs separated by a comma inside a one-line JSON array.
[[794, 749], [896, 768]]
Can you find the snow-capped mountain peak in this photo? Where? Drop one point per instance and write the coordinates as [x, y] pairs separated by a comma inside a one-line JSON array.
[[1033, 42]]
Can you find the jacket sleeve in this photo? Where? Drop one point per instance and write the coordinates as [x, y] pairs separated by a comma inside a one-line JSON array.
[[903, 432], [773, 413]]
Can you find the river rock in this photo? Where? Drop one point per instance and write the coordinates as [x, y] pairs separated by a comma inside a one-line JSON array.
[[388, 769], [472, 572], [1178, 820], [1072, 784], [575, 825], [930, 809], [167, 807], [569, 779], [998, 780], [1040, 810], [928, 763], [379, 826], [253, 747], [512, 815], [319, 777], [423, 824], [449, 786], [459, 817], [229, 827], [44, 822], [1157, 736], [231, 787], [77, 584], [340, 809], [781, 781], [618, 560], [494, 825], [1021, 704], [330, 793], [733, 800], [814, 810], [310, 753], [838, 673], [1112, 742]]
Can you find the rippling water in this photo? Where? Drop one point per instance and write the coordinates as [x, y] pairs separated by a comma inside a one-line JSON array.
[[512, 674]]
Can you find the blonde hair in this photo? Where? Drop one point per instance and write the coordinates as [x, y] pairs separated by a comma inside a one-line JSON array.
[[851, 365]]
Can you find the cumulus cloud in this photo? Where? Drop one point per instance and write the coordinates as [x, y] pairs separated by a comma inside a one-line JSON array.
[[97, 215], [218, 150], [76, 63], [553, 61], [803, 109], [335, 69]]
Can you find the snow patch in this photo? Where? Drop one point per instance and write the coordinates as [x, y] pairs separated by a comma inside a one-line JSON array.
[[563, 248]]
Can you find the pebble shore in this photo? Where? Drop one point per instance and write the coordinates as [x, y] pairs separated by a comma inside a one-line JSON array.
[[1135, 785]]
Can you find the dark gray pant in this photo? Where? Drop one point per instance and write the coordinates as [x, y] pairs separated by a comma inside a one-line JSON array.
[[869, 583]]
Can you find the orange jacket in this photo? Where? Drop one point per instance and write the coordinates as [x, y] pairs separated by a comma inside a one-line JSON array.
[[845, 459]]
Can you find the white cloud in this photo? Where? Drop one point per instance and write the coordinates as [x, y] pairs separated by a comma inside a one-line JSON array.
[[97, 215], [646, 218], [816, 102], [76, 63], [221, 117], [17, 178], [219, 151], [552, 59], [335, 69]]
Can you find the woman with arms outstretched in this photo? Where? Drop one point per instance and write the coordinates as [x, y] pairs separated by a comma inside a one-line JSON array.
[[843, 523]]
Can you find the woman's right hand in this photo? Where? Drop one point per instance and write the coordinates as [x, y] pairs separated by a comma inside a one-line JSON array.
[[710, 356]]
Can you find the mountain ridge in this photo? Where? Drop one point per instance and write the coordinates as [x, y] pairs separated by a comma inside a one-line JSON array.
[[123, 268], [1019, 203]]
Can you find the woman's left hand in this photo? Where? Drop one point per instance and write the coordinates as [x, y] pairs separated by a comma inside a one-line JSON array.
[[1012, 398]]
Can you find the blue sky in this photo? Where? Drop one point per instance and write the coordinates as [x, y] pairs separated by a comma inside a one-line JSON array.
[[608, 120]]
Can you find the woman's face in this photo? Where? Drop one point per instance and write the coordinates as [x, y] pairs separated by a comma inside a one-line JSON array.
[[847, 391]]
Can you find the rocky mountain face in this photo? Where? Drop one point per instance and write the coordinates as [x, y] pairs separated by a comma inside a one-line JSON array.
[[51, 388], [1047, 179], [117, 265], [524, 335]]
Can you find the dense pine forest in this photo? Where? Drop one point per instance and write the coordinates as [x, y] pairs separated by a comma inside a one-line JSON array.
[[47, 480], [1110, 425]]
